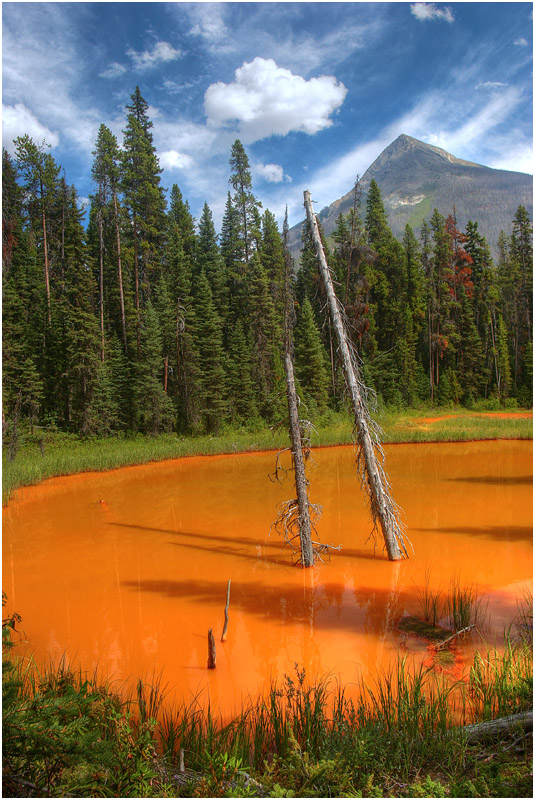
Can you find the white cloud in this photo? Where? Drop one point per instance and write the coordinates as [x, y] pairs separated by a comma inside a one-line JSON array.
[[208, 23], [272, 173], [521, 42], [490, 85], [160, 53], [267, 100], [172, 159], [113, 70], [478, 124], [174, 88], [18, 120], [428, 11]]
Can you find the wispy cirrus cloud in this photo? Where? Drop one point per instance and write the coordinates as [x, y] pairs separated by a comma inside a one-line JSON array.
[[161, 53], [113, 70], [521, 42], [490, 85], [429, 11], [266, 100]]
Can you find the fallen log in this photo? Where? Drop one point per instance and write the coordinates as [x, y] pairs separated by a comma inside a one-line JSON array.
[[496, 727]]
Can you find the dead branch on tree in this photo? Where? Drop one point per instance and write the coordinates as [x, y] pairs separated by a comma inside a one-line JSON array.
[[370, 456]]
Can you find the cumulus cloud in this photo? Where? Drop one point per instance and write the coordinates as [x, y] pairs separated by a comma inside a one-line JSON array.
[[172, 159], [113, 70], [428, 11], [160, 53], [272, 173], [267, 100], [18, 120], [521, 42]]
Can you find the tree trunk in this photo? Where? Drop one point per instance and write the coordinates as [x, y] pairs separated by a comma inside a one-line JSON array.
[[45, 253], [119, 269], [211, 650], [101, 265], [136, 278], [382, 506], [305, 537], [496, 727]]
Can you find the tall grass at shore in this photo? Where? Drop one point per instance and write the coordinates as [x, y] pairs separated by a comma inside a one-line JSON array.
[[50, 453], [69, 735]]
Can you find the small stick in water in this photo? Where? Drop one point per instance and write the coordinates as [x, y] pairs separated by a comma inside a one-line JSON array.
[[211, 650], [225, 626]]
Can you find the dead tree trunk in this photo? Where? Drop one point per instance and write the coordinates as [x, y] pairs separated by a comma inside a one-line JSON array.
[[211, 650], [305, 537], [384, 511]]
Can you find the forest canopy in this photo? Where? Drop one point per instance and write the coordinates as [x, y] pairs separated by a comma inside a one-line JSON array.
[[144, 319]]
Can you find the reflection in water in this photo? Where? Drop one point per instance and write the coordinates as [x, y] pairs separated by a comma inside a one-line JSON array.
[[132, 584]]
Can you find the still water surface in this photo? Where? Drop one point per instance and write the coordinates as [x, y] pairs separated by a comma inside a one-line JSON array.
[[125, 571]]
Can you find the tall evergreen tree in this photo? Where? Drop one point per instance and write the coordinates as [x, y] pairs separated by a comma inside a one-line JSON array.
[[144, 199], [311, 359], [209, 341], [244, 201]]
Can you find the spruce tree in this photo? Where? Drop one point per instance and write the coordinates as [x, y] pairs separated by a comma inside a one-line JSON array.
[[144, 198], [241, 392], [152, 408], [311, 359], [244, 201], [209, 342]]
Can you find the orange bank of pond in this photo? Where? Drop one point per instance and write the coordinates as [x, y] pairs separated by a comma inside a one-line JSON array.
[[127, 570]]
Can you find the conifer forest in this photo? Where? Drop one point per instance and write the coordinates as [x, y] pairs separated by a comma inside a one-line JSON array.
[[143, 319]]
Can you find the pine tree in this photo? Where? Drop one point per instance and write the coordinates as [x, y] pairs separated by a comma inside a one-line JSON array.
[[210, 260], [311, 359], [241, 391], [244, 201], [106, 173], [11, 211], [144, 198], [40, 173], [152, 408], [209, 342]]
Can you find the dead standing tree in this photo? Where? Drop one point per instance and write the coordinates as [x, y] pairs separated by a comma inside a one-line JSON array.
[[385, 513], [296, 518], [305, 537]]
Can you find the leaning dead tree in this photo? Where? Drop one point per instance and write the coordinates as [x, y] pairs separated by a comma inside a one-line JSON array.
[[370, 458]]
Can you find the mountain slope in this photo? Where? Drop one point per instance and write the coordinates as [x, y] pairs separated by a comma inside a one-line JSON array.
[[415, 178]]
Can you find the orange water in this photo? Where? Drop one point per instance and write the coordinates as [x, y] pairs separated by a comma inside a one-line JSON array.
[[127, 570]]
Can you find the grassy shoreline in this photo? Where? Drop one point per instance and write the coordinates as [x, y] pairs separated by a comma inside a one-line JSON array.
[[69, 735], [48, 454]]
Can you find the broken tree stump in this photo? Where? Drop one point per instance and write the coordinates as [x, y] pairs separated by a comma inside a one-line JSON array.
[[385, 513], [225, 626], [211, 650]]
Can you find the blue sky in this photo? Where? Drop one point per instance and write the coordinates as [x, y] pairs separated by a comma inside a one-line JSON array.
[[315, 91]]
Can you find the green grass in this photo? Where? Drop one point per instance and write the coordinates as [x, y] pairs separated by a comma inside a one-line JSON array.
[[51, 453]]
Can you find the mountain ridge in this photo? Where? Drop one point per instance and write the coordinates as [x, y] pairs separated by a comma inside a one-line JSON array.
[[415, 177]]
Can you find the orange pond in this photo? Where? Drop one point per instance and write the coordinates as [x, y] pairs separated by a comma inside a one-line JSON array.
[[127, 570]]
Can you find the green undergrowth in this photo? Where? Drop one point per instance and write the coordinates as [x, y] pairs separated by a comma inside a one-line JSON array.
[[67, 735], [48, 453]]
